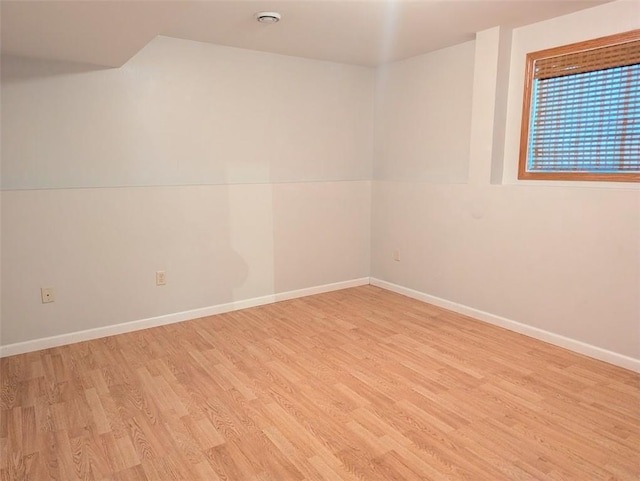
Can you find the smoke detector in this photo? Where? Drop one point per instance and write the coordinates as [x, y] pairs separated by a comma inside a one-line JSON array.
[[268, 17]]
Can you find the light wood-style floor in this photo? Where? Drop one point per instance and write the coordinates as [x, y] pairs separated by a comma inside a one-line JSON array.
[[359, 384]]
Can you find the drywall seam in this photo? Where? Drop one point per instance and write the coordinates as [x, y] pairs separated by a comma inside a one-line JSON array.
[[540, 334], [89, 334]]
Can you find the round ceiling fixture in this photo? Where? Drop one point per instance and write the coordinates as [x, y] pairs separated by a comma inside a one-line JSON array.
[[268, 17]]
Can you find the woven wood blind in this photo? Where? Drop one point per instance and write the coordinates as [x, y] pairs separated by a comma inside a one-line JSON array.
[[588, 60]]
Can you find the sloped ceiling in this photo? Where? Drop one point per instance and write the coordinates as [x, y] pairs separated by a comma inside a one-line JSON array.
[[362, 32]]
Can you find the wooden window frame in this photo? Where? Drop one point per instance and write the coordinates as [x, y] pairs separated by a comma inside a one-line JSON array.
[[523, 173]]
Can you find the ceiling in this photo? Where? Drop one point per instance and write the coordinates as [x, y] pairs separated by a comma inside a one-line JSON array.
[[362, 32]]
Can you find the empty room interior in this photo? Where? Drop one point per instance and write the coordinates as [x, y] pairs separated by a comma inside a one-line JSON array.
[[317, 240]]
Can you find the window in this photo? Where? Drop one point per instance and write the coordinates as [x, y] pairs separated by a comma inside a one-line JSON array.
[[581, 112]]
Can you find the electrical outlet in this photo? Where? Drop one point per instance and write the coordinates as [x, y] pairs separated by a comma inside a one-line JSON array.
[[161, 278], [396, 255], [47, 294]]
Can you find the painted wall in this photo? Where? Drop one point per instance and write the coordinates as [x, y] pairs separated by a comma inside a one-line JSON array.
[[185, 113], [560, 257], [425, 130], [241, 174], [244, 174]]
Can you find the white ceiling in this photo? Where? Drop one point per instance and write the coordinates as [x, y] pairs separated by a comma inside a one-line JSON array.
[[364, 32]]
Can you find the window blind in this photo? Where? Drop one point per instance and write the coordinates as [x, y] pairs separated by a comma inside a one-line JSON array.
[[587, 122], [581, 115]]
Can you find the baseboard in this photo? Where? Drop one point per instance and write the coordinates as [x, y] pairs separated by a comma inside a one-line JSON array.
[[556, 339], [550, 337], [89, 334]]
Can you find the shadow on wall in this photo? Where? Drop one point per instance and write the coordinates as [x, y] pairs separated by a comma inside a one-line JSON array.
[[22, 69], [102, 249], [103, 245]]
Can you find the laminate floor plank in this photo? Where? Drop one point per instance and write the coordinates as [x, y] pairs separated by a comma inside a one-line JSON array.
[[359, 384]]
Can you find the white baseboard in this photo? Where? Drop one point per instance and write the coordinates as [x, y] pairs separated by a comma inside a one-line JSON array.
[[555, 339], [89, 334]]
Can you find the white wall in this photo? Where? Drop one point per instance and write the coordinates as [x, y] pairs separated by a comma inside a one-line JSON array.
[[100, 171], [564, 258], [425, 130], [240, 173], [182, 113]]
